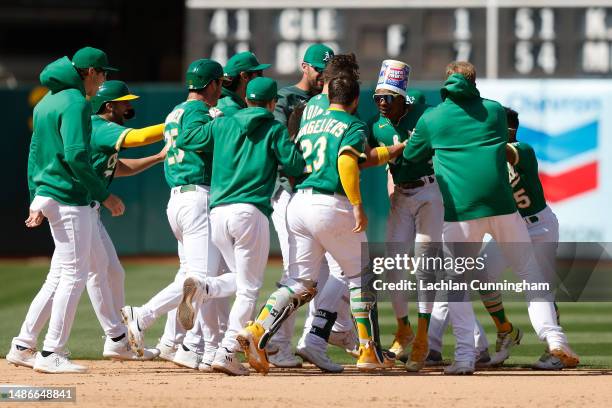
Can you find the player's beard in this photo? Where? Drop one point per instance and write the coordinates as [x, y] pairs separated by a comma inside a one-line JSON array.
[[129, 114]]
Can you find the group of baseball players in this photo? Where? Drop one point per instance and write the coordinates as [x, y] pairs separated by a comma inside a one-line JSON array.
[[238, 152]]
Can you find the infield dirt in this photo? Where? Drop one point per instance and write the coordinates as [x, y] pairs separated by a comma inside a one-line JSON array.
[[162, 384]]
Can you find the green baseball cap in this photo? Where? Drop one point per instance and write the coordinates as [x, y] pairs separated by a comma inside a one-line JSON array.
[[243, 62], [90, 57], [201, 72], [262, 89], [111, 91], [414, 97], [318, 55]]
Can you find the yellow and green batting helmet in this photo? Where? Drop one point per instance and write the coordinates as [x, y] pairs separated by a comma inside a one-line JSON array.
[[111, 91]]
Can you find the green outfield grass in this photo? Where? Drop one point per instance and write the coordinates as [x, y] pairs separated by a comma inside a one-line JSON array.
[[588, 325]]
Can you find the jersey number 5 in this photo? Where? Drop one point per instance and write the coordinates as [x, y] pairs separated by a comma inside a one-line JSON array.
[[522, 199], [307, 148]]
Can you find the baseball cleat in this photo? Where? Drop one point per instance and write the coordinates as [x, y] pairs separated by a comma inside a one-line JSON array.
[[402, 340], [120, 350], [166, 351], [548, 362], [284, 357], [460, 368], [319, 358], [484, 359], [135, 334], [248, 338], [505, 341], [372, 358], [185, 312], [434, 358], [56, 363], [346, 340], [185, 357], [21, 356], [227, 362], [566, 355], [207, 360], [418, 355]]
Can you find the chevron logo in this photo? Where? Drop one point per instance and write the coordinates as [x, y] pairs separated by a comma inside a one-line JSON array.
[[567, 160]]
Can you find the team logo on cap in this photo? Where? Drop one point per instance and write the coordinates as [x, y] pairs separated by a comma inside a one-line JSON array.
[[327, 56]]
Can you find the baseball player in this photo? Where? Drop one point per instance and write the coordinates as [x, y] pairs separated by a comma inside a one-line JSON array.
[[247, 148], [315, 60], [468, 135], [240, 69], [105, 282], [543, 228], [415, 218], [65, 189], [188, 173], [326, 215]]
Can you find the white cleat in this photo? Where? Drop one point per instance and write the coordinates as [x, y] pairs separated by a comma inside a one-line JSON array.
[[207, 360], [284, 357], [548, 362], [227, 362], [23, 358], [120, 350], [346, 340], [319, 358], [166, 351], [187, 358], [460, 368], [195, 291], [135, 334], [56, 363]]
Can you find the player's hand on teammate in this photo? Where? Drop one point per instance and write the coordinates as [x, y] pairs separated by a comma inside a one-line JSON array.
[[161, 156], [361, 220], [114, 205], [35, 218], [215, 112]]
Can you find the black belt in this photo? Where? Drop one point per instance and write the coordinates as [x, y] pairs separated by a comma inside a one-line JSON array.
[[415, 183], [532, 219]]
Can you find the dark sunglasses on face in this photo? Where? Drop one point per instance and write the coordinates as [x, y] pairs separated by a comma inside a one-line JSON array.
[[319, 70], [388, 98]]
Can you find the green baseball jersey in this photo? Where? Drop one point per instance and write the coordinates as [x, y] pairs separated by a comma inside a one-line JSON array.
[[322, 139], [290, 97], [59, 162], [317, 105], [384, 133], [184, 166], [248, 148], [230, 102], [106, 140], [525, 181], [466, 135]]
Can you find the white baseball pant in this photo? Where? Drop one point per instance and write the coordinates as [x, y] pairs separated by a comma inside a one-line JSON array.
[[73, 229], [242, 234], [416, 216], [508, 228]]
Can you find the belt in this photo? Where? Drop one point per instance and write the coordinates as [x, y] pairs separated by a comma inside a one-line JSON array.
[[532, 219], [316, 190], [417, 183], [187, 188]]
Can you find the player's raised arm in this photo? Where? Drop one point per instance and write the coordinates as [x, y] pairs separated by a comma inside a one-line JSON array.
[[198, 138], [288, 154]]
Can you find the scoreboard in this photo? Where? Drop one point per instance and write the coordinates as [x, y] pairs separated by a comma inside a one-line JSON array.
[[502, 38]]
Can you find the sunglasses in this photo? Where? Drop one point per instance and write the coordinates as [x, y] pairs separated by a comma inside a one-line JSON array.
[[319, 70], [388, 98]]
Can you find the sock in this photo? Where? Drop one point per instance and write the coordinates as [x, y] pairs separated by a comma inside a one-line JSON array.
[[20, 348], [403, 326], [46, 353], [423, 327], [493, 302], [115, 339], [361, 305]]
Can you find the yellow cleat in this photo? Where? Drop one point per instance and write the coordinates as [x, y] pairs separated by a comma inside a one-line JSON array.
[[249, 339], [371, 358], [403, 338], [418, 355]]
